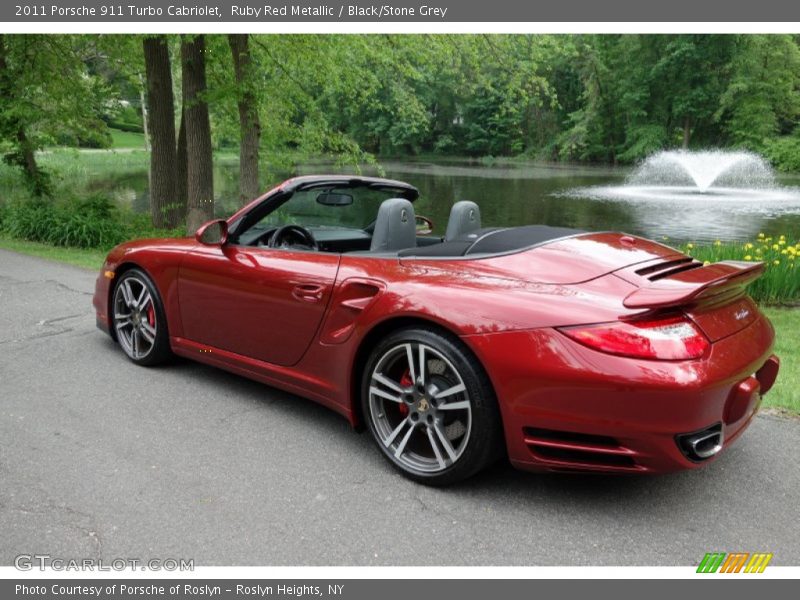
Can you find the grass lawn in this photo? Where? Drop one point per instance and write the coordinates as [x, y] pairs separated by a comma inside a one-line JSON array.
[[126, 139], [79, 257], [785, 395]]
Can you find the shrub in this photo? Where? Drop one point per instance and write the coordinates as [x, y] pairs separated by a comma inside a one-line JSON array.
[[781, 281], [91, 222]]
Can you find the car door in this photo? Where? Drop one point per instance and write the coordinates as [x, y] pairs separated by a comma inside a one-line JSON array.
[[262, 303]]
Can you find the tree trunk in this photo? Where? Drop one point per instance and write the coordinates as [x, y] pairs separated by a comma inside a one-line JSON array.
[[161, 111], [23, 154], [687, 132], [249, 125], [143, 102], [181, 175], [200, 207]]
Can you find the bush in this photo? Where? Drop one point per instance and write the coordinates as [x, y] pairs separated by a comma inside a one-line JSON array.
[[91, 222], [784, 152]]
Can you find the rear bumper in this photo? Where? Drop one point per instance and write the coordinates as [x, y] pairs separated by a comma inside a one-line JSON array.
[[566, 407]]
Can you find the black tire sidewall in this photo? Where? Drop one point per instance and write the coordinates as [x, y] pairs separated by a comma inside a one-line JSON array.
[[485, 442]]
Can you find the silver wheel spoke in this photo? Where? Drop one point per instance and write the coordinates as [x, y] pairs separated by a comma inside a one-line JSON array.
[[386, 395], [127, 293], [149, 333], [124, 322], [436, 450], [403, 442], [448, 447], [144, 300], [460, 405], [450, 391], [135, 342], [387, 382], [421, 350], [410, 357], [395, 433]]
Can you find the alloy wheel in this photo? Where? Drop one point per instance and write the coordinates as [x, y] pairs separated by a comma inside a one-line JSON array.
[[420, 408], [135, 320]]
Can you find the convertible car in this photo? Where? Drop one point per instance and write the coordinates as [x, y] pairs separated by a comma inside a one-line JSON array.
[[563, 349]]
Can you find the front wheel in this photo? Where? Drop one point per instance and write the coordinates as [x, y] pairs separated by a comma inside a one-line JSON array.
[[430, 407], [139, 322]]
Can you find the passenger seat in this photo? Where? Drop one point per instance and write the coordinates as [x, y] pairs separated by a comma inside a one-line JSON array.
[[465, 217]]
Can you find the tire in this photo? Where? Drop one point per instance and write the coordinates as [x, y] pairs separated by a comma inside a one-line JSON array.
[[138, 319], [404, 407]]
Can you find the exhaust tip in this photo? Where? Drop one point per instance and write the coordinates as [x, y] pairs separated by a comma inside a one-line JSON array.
[[701, 445]]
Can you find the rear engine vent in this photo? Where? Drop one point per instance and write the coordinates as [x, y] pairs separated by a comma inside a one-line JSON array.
[[668, 268], [701, 445], [579, 450]]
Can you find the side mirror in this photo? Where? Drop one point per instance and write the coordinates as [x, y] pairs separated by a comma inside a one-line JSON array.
[[213, 233], [424, 225]]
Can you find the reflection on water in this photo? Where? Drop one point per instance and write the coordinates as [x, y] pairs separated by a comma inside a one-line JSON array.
[[592, 198]]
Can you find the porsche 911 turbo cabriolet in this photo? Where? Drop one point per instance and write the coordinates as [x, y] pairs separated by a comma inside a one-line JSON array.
[[565, 350]]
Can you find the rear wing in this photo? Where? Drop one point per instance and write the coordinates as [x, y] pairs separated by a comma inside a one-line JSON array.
[[692, 285]]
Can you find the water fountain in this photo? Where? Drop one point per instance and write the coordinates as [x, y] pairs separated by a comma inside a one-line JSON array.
[[704, 169], [701, 195]]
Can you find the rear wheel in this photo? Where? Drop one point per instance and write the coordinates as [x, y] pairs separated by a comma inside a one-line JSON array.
[[138, 319], [430, 407]]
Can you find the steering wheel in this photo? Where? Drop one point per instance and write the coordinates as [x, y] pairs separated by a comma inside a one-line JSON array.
[[282, 238]]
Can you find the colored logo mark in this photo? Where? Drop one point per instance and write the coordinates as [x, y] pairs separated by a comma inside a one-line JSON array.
[[734, 562]]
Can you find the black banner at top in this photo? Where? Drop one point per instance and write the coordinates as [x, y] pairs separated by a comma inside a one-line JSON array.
[[265, 11]]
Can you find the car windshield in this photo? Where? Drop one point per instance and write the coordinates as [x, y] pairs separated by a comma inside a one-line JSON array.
[[344, 207]]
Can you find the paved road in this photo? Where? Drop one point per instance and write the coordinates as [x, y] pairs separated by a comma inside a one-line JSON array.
[[99, 457]]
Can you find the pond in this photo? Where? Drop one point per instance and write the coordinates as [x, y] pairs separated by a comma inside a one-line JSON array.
[[592, 198]]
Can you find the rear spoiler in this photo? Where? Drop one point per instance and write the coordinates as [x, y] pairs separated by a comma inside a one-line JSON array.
[[694, 285]]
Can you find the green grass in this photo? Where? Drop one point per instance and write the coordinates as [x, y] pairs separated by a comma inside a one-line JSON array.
[[126, 139], [85, 258], [786, 393]]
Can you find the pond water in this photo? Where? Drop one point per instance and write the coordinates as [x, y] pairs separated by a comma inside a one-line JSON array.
[[591, 198]]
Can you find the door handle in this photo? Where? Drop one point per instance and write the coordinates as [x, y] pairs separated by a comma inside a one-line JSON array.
[[308, 292]]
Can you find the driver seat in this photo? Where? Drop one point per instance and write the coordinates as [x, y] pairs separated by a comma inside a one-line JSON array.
[[465, 217], [395, 226]]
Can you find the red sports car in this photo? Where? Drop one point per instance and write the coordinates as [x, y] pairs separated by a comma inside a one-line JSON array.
[[567, 350]]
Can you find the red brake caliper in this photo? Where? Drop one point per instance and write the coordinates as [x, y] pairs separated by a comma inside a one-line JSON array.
[[405, 381], [151, 315]]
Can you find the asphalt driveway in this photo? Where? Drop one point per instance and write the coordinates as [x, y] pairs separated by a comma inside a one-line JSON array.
[[100, 458]]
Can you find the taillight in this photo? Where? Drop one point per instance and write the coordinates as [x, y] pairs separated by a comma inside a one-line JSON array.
[[672, 338]]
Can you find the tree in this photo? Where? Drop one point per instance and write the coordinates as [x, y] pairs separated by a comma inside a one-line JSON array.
[[249, 124], [199, 167], [47, 95], [165, 208]]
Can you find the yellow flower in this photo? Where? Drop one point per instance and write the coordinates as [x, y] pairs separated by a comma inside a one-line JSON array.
[[776, 262], [758, 250], [782, 242], [748, 257], [690, 246], [783, 237], [784, 251], [706, 263], [775, 247], [718, 243], [748, 246], [760, 234]]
